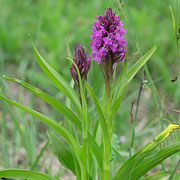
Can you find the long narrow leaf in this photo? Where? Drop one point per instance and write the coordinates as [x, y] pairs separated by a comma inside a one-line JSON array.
[[154, 160], [58, 80], [25, 174], [84, 104], [96, 151], [118, 84], [159, 176], [135, 68], [63, 153], [116, 105], [49, 99], [173, 19], [129, 165], [69, 125], [103, 124], [119, 155], [139, 64]]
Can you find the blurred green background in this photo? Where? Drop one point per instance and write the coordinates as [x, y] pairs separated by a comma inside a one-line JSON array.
[[148, 22]]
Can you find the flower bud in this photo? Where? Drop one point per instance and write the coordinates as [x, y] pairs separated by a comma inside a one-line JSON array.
[[82, 61]]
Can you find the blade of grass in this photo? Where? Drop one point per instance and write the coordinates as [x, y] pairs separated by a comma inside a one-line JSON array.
[[39, 155], [174, 171], [3, 125], [22, 121], [173, 19], [136, 114], [3, 122]]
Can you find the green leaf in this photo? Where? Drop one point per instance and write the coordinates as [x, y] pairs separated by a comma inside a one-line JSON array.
[[133, 70], [25, 174], [102, 121], [132, 162], [58, 80], [84, 115], [118, 84], [154, 160], [84, 104], [116, 105], [63, 153], [57, 127], [139, 64], [69, 125], [119, 155], [49, 99], [158, 176], [96, 151]]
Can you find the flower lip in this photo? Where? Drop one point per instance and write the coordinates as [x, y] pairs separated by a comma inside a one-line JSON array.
[[107, 38]]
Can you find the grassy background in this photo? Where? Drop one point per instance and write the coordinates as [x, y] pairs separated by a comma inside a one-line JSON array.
[[49, 22]]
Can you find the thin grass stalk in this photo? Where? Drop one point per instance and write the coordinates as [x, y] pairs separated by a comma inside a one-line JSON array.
[[20, 117], [33, 123], [135, 117], [177, 33], [134, 35], [5, 151], [34, 165], [3, 123], [174, 171]]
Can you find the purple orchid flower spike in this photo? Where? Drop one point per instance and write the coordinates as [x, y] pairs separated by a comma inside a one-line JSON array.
[[108, 47], [107, 38], [82, 61]]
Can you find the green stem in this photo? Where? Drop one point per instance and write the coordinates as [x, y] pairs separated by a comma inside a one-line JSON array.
[[84, 147], [107, 86], [84, 126], [106, 174], [108, 75]]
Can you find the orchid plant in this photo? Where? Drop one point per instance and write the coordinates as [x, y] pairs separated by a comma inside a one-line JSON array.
[[86, 149]]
